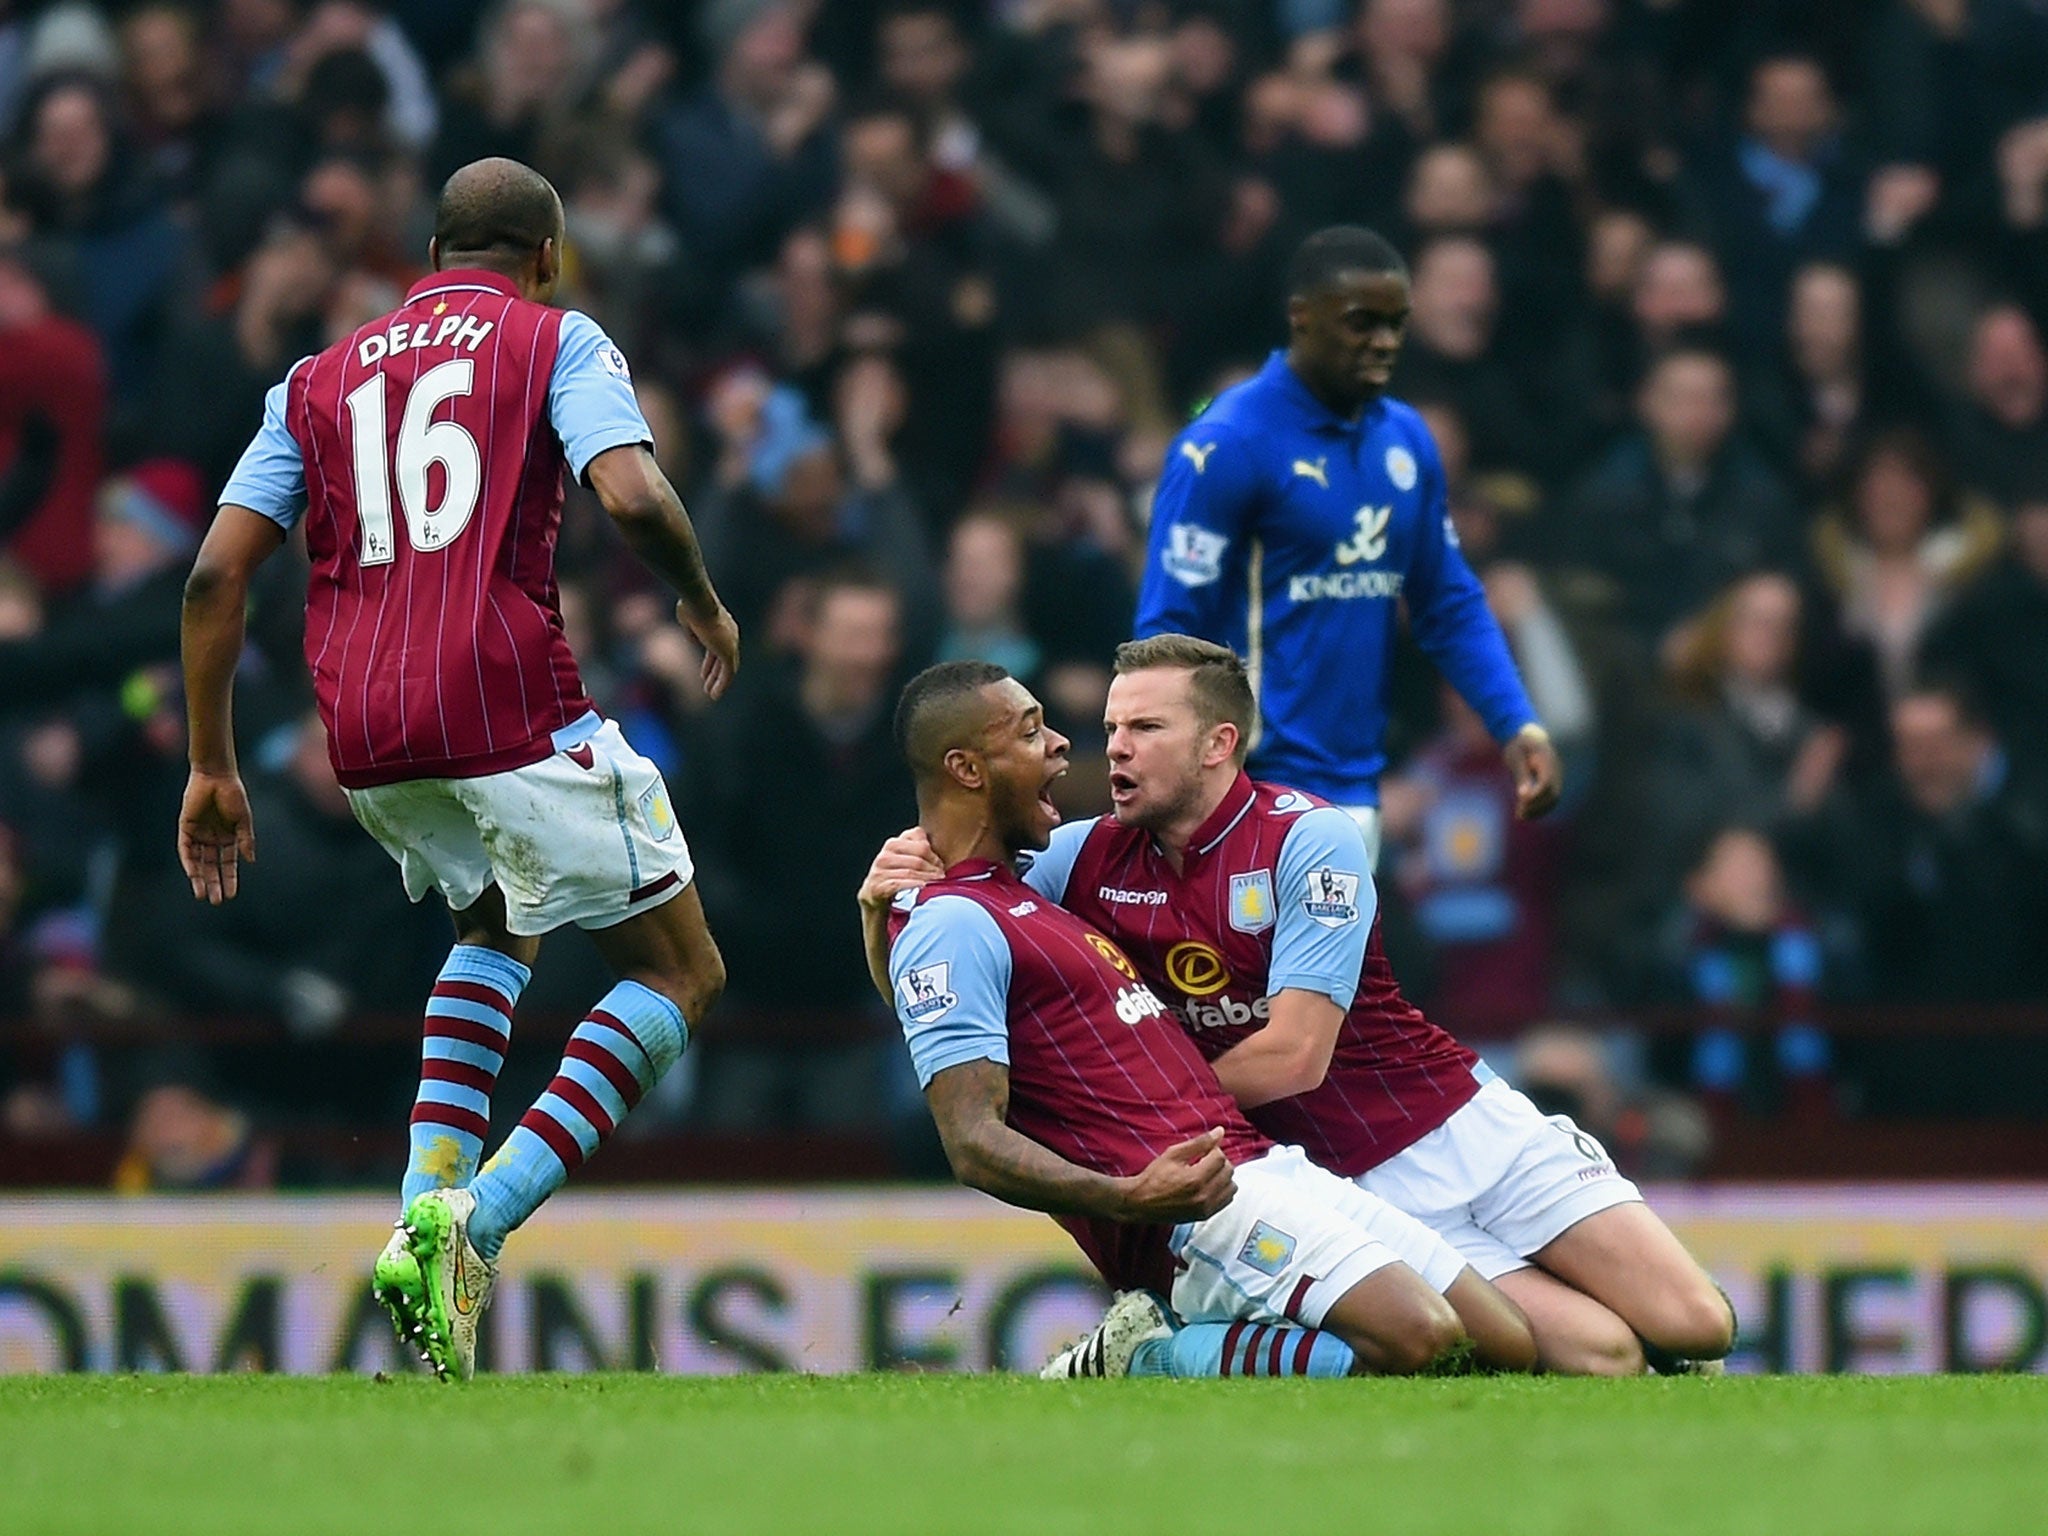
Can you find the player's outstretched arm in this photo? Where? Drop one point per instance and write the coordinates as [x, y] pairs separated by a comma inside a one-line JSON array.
[[970, 1102], [214, 829], [637, 496]]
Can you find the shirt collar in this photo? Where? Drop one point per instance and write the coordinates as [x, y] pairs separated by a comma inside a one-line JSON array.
[[1280, 378], [462, 280], [973, 869], [1221, 822]]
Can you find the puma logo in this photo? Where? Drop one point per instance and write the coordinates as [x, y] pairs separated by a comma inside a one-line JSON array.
[[1316, 471], [1197, 456]]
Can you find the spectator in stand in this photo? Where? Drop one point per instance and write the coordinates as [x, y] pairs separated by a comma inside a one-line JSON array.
[[750, 156], [629, 271], [925, 63], [911, 251], [1452, 354], [182, 1139], [53, 404], [172, 111], [219, 367], [1825, 383], [1783, 192], [358, 28], [1959, 907], [1739, 950], [514, 99], [1996, 636], [983, 582], [82, 190], [1140, 206], [1948, 867], [257, 958], [782, 514], [2000, 432], [1683, 504], [144, 531], [1906, 543], [794, 789], [1533, 152], [1748, 743]]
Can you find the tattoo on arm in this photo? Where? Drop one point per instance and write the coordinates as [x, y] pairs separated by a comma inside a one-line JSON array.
[[969, 1102]]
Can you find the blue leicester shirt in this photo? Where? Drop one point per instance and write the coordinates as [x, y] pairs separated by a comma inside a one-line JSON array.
[[1291, 535]]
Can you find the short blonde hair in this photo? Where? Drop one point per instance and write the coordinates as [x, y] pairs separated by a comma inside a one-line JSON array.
[[1217, 680]]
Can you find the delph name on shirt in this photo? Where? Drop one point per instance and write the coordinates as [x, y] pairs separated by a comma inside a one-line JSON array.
[[464, 331]]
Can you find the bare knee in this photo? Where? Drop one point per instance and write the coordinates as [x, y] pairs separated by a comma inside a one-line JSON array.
[[1413, 1334], [704, 985], [1436, 1341], [1501, 1336], [1695, 1324], [1611, 1349]]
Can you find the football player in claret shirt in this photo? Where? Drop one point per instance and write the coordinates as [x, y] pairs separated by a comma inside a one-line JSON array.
[[1295, 518], [423, 456], [1250, 909], [1060, 1083]]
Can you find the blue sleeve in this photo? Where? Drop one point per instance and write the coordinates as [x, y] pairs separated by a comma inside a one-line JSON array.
[[1202, 515], [1327, 903], [270, 477], [1048, 872], [1447, 606], [590, 396], [950, 971]]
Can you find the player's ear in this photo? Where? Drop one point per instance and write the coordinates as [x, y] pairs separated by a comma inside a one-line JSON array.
[[1223, 743], [1297, 314], [434, 252], [547, 264], [966, 768]]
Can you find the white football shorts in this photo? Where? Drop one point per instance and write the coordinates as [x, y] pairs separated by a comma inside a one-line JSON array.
[[1293, 1241], [585, 836], [1500, 1179]]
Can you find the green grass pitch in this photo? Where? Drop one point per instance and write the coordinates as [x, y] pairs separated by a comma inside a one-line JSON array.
[[988, 1455]]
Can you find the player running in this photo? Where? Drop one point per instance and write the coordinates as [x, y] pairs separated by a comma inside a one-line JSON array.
[[1251, 909], [424, 454], [1059, 1083], [1297, 513]]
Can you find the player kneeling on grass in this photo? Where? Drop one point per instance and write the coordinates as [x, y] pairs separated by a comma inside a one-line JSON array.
[[1060, 1083], [1250, 908], [454, 713]]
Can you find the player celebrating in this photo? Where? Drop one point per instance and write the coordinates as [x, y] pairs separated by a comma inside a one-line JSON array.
[[1251, 909], [425, 453], [1297, 510], [1059, 1083]]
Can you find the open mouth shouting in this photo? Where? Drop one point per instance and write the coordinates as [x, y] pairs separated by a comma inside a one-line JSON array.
[[1056, 771]]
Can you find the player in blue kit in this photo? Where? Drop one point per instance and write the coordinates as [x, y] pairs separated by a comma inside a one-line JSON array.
[[1299, 511]]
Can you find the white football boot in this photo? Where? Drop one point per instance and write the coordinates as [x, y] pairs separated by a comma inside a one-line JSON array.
[[1132, 1319]]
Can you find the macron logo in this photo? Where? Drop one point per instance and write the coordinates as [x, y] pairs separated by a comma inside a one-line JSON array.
[[1316, 471], [1199, 457], [1117, 898]]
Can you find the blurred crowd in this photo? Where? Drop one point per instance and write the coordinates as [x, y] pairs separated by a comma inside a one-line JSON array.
[[1728, 319]]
